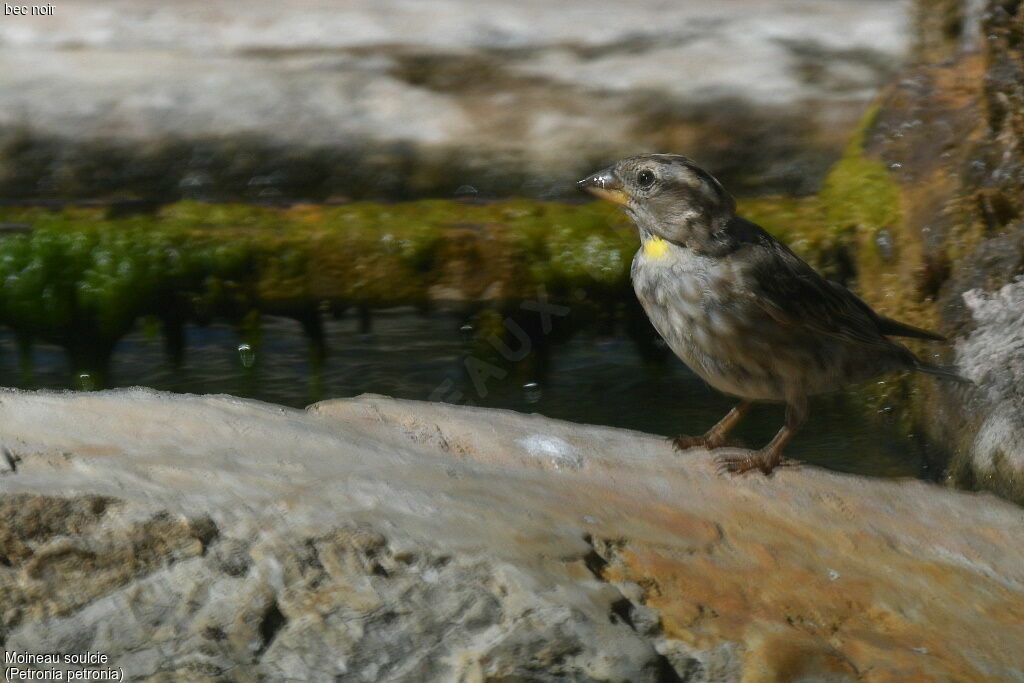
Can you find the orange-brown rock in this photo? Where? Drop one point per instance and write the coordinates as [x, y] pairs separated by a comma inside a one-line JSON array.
[[380, 538], [939, 165]]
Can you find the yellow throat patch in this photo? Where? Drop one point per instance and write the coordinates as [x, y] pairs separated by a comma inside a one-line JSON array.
[[655, 248]]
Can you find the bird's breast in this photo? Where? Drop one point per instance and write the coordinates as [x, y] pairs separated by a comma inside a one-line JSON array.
[[678, 290], [693, 303], [665, 274]]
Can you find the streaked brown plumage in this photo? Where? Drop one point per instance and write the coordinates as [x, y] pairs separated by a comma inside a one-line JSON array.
[[742, 310]]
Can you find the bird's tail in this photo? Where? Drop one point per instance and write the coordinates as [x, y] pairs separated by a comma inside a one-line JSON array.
[[942, 371]]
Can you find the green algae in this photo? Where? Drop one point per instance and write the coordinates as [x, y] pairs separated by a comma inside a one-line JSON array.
[[861, 209], [861, 203], [862, 206], [859, 194], [802, 224], [863, 200], [81, 279]]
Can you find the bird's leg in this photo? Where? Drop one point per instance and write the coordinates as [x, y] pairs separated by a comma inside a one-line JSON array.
[[769, 457], [716, 436]]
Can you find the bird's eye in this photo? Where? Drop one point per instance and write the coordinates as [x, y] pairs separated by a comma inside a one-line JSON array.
[[645, 178]]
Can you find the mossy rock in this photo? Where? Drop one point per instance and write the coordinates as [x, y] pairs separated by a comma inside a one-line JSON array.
[[932, 187], [81, 278]]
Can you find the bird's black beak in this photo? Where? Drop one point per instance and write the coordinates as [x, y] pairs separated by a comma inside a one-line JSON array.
[[605, 185]]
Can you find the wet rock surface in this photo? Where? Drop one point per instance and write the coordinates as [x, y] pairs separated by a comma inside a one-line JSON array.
[[193, 538], [946, 247], [314, 99]]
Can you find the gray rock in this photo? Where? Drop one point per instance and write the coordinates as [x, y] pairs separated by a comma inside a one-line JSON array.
[[204, 538], [992, 355], [210, 99], [948, 135]]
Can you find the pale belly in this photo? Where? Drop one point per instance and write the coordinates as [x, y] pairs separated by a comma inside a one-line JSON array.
[[703, 353], [734, 349]]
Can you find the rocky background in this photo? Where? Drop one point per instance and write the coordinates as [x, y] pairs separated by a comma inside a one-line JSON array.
[[932, 189], [210, 538], [210, 99]]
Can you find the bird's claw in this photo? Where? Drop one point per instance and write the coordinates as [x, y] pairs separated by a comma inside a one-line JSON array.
[[735, 464], [746, 461]]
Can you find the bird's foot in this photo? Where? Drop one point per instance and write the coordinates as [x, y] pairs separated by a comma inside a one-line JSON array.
[[706, 441], [742, 461]]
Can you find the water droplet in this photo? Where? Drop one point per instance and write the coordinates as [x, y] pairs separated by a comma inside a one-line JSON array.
[[532, 392], [86, 382], [246, 355], [195, 179], [884, 242]]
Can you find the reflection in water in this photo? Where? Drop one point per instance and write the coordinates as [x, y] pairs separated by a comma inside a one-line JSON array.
[[597, 380], [532, 393], [246, 355]]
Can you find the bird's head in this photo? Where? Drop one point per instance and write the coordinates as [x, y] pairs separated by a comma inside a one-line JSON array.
[[666, 195]]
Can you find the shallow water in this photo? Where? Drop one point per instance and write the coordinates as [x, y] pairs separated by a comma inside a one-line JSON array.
[[598, 380]]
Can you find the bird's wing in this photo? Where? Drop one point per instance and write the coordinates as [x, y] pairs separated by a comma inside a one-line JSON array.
[[792, 293], [894, 328]]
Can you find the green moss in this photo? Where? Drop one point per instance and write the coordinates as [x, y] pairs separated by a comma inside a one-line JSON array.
[[801, 223], [587, 246], [862, 200], [858, 193], [82, 280]]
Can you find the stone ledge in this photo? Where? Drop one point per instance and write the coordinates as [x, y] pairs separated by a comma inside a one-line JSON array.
[[374, 537]]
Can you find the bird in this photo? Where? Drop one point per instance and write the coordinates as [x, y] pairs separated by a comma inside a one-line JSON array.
[[745, 313]]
